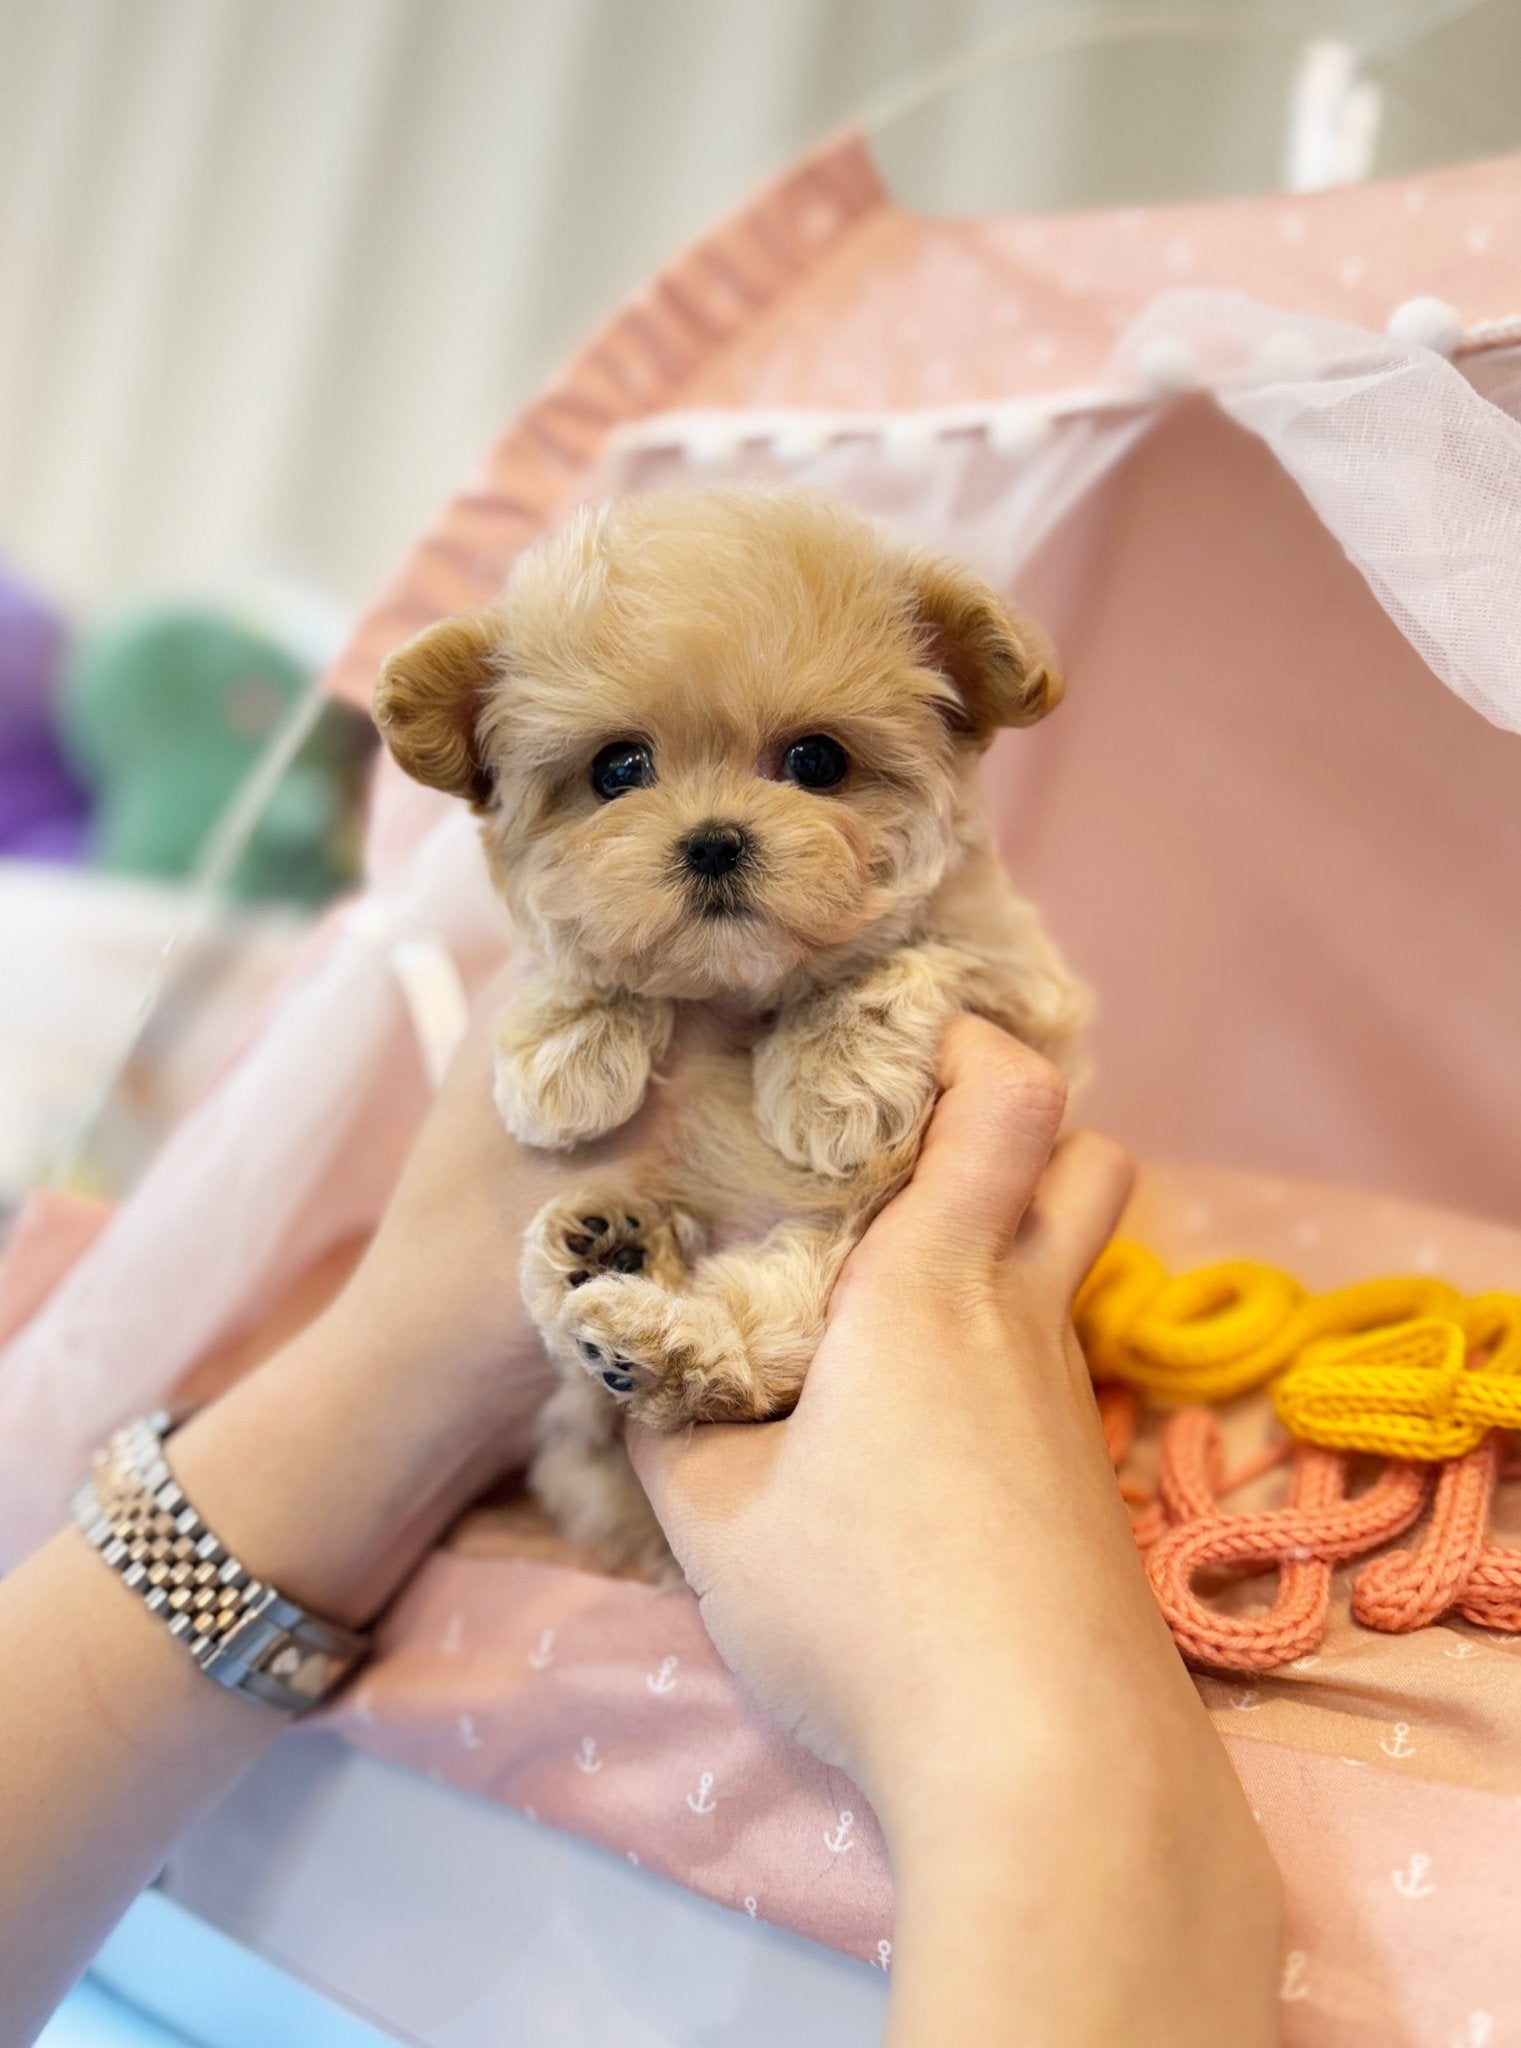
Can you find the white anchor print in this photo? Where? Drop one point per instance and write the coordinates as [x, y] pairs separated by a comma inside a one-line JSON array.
[[1246, 1702], [544, 1655], [1461, 1648], [453, 1635], [469, 1736], [702, 1800], [1355, 1763], [1306, 1663], [1411, 1882], [587, 1758], [840, 1840], [883, 1959], [752, 1907], [1478, 2033], [633, 1858], [1293, 1987], [1401, 1746], [663, 1680]]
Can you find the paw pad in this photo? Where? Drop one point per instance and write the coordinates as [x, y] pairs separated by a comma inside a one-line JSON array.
[[616, 1374], [602, 1246]]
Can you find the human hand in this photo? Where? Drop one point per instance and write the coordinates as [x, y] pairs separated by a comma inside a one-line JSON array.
[[338, 1462], [943, 1477], [926, 1573]]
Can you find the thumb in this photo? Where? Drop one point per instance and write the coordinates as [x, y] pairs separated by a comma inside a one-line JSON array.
[[987, 1143]]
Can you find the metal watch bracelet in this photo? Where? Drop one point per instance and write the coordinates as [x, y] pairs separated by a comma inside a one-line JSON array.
[[240, 1631]]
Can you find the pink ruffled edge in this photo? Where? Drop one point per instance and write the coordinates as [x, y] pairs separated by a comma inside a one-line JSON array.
[[637, 364]]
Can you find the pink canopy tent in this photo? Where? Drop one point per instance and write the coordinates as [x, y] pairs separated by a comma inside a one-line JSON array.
[[1271, 512]]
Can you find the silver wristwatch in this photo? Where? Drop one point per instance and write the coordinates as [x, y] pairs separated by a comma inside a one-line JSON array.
[[242, 1632]]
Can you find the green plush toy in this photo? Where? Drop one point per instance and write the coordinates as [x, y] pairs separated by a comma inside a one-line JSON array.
[[164, 714]]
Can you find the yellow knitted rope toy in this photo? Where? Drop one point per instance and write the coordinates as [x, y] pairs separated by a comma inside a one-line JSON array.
[[1405, 1368]]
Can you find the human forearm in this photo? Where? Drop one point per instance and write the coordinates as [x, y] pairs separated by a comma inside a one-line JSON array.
[[114, 1744], [328, 1472], [1076, 1861], [1099, 1900]]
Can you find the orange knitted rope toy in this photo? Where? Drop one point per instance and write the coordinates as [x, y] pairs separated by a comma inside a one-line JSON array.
[[1319, 1526], [1405, 1368]]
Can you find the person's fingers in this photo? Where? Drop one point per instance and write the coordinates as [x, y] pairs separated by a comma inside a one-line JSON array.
[[1075, 1209], [987, 1143]]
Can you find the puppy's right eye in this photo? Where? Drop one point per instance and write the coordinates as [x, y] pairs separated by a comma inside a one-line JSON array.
[[622, 765]]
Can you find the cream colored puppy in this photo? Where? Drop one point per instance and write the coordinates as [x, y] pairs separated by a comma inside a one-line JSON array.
[[723, 751]]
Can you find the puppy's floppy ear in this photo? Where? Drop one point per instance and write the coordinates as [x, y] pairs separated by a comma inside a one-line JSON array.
[[1002, 668], [428, 702]]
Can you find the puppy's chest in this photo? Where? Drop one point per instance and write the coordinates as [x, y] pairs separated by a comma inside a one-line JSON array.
[[727, 1166]]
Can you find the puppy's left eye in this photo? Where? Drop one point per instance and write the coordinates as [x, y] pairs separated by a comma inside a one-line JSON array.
[[620, 767], [816, 762]]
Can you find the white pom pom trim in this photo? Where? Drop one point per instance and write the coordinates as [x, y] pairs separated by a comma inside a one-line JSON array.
[[1427, 323], [1017, 429], [1165, 363]]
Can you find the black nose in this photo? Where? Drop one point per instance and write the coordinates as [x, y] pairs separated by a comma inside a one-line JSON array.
[[714, 850]]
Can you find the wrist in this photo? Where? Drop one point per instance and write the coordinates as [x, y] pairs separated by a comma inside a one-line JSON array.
[[976, 1778], [1042, 1751], [334, 1467]]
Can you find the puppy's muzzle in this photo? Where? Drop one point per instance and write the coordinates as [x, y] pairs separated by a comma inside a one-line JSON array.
[[714, 861]]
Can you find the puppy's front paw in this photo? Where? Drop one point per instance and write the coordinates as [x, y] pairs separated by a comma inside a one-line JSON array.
[[596, 1233], [571, 1072], [840, 1086]]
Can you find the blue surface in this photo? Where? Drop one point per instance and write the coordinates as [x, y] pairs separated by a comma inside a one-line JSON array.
[[164, 1980], [92, 2018], [328, 1879]]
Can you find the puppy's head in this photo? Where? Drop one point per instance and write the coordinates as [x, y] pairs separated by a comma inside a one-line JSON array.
[[715, 739]]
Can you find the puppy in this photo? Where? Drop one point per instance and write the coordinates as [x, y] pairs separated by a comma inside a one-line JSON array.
[[723, 748]]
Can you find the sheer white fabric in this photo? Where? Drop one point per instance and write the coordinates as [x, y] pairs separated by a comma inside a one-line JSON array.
[[1411, 461], [1415, 472], [290, 1155]]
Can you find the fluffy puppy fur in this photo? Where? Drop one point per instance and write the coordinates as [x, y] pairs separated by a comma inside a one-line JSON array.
[[723, 747]]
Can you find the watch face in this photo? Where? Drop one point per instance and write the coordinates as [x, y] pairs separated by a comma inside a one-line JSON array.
[[308, 1674]]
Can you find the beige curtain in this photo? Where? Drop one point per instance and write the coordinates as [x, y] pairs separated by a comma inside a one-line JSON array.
[[273, 271]]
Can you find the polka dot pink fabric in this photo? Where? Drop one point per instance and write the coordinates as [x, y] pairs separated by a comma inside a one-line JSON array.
[[823, 292]]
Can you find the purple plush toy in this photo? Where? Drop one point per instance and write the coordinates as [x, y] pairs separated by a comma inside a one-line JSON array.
[[43, 811]]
